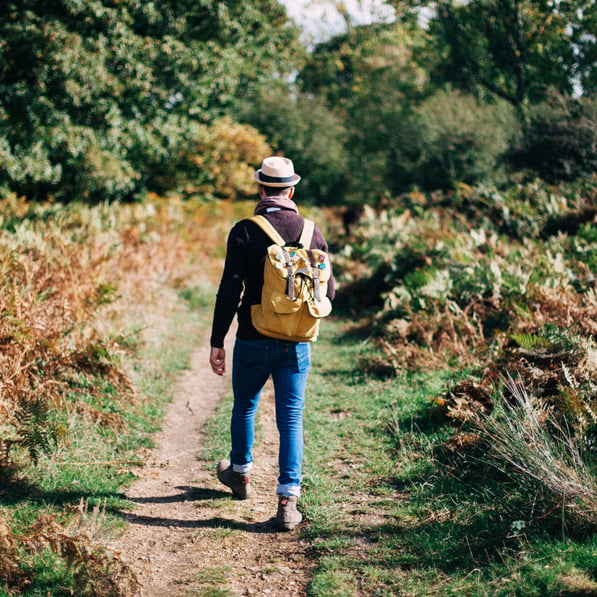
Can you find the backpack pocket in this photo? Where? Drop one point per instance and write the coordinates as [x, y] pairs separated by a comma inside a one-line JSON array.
[[281, 303], [320, 308]]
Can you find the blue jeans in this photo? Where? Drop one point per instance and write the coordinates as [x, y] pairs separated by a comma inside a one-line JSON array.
[[288, 363]]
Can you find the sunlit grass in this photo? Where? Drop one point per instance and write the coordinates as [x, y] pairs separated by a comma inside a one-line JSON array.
[[386, 516]]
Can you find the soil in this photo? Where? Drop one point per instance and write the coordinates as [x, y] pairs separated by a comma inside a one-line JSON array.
[[187, 536]]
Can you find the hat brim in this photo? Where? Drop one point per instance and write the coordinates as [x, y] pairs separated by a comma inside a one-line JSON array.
[[273, 183]]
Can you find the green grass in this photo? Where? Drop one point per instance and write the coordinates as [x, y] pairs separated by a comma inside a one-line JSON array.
[[386, 516], [206, 582]]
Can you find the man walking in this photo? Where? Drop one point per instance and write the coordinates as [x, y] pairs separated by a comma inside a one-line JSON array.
[[257, 357]]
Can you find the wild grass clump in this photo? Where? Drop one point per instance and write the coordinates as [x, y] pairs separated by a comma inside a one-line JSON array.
[[533, 445]]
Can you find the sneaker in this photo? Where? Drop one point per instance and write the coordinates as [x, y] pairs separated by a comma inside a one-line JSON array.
[[288, 516], [238, 482]]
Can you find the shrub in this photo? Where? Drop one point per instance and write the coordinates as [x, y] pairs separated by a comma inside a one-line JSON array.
[[559, 141], [98, 99], [460, 140], [223, 160], [541, 454]]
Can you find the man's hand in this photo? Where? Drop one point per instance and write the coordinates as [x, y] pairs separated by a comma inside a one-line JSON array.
[[217, 360]]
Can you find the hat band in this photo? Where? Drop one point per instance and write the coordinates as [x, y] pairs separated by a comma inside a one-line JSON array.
[[266, 178]]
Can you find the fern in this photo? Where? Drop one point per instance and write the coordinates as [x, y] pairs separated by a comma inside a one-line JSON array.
[[558, 337], [97, 571], [529, 341], [35, 433]]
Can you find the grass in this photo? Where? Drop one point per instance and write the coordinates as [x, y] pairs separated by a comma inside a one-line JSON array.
[[103, 334], [97, 462], [205, 582], [386, 515]]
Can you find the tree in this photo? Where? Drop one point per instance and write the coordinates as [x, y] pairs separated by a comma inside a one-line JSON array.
[[460, 139], [101, 98], [559, 139], [306, 130], [516, 49], [372, 77]]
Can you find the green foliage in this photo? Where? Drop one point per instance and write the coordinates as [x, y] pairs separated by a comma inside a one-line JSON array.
[[99, 99], [515, 49], [496, 283], [559, 140], [391, 84], [371, 77], [460, 140], [34, 431], [458, 270], [312, 135]]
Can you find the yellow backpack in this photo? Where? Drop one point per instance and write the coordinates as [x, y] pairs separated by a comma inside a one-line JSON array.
[[295, 278]]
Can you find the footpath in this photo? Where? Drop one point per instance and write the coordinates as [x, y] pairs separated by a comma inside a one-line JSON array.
[[186, 535]]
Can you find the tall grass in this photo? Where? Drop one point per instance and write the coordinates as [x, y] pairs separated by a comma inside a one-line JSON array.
[[532, 444]]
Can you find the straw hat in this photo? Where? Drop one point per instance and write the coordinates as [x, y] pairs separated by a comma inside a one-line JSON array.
[[276, 171]]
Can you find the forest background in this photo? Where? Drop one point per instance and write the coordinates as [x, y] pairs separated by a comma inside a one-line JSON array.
[[106, 100], [459, 152]]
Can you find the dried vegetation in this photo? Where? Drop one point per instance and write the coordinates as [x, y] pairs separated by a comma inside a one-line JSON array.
[[502, 285], [73, 279]]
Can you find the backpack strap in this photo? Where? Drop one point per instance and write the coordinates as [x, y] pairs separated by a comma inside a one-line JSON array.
[[275, 236], [307, 233], [305, 240], [264, 224], [315, 272]]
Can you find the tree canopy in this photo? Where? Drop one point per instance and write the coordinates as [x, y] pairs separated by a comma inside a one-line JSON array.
[[102, 97], [517, 49]]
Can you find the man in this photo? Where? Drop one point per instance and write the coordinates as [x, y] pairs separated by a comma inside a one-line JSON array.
[[256, 356]]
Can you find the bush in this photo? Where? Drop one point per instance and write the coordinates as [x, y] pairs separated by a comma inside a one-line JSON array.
[[308, 133], [559, 141], [460, 140], [223, 159]]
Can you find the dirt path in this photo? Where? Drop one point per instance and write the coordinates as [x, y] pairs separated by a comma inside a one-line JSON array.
[[186, 534]]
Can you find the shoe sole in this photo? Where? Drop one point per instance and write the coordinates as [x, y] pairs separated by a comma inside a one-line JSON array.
[[287, 527]]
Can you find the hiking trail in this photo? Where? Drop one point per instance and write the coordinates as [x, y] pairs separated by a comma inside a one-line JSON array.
[[185, 532]]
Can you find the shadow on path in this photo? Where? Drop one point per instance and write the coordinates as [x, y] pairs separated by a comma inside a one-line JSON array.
[[195, 494], [188, 494]]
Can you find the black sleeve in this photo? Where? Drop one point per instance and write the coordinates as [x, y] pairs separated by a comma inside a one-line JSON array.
[[229, 291]]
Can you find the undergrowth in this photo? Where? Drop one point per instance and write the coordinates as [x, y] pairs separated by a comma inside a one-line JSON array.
[[456, 454], [92, 302], [501, 283], [451, 427], [400, 501]]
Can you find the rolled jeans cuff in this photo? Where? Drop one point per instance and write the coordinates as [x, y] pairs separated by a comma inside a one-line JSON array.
[[290, 490]]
